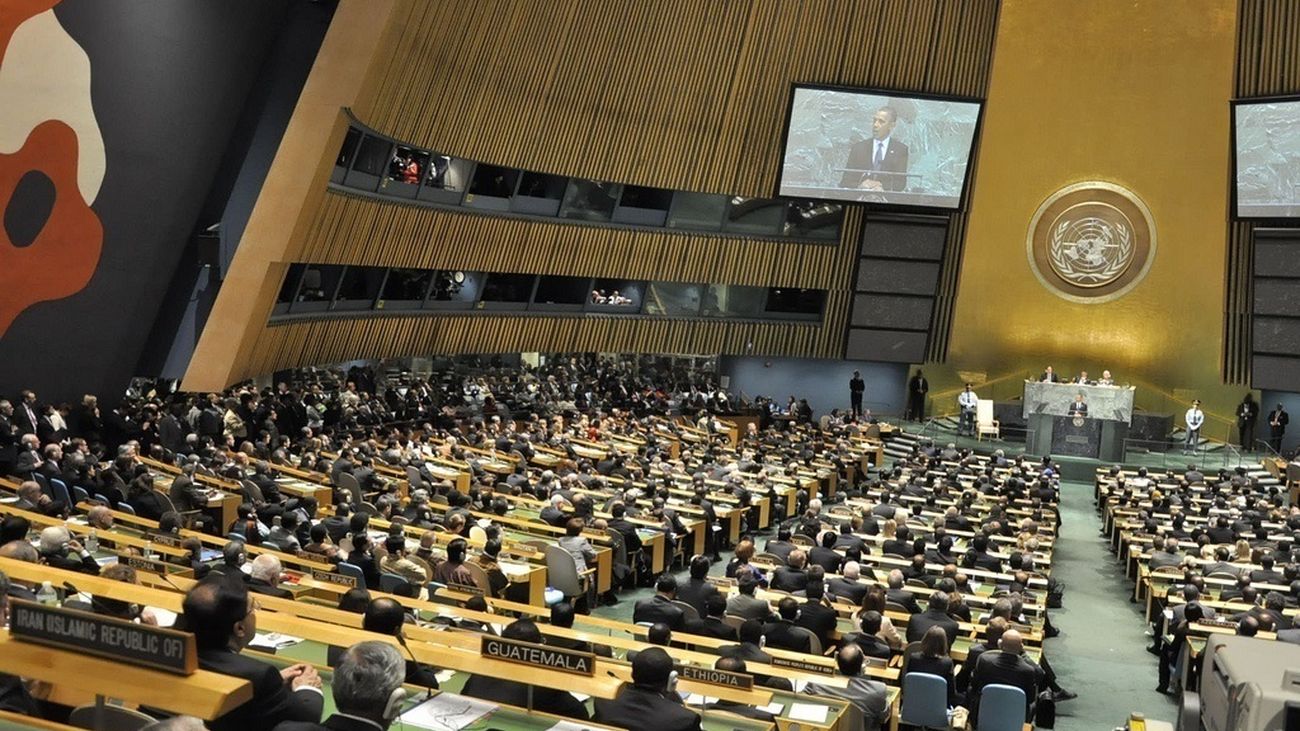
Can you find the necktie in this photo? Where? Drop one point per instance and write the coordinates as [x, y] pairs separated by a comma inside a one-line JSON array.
[[878, 156]]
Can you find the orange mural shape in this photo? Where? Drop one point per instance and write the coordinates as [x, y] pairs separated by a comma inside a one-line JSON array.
[[61, 259], [14, 12]]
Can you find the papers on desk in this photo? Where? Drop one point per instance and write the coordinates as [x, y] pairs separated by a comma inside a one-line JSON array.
[[775, 708], [166, 618], [106, 560], [447, 712], [444, 676], [695, 699], [274, 640], [809, 712], [570, 726]]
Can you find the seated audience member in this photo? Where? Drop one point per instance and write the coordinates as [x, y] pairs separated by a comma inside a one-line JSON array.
[[649, 696], [387, 617], [500, 690], [744, 603], [1006, 666], [867, 694], [935, 615], [932, 657], [57, 549], [367, 690], [816, 614], [993, 630], [782, 633], [660, 607], [744, 552], [848, 586], [825, 555], [697, 589], [875, 600], [266, 575], [223, 617], [750, 649], [868, 637], [900, 596], [562, 615], [396, 562], [452, 570], [791, 577], [710, 623], [116, 607]]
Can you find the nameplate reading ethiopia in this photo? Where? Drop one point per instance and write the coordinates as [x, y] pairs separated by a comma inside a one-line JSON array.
[[542, 656], [115, 639]]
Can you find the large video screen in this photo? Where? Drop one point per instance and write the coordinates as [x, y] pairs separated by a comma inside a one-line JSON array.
[[877, 147], [1268, 159]]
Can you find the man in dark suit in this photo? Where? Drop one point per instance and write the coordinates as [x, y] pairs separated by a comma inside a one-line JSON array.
[[879, 163], [1007, 666], [1267, 574], [223, 617], [978, 556], [825, 555], [367, 689], [792, 576], [869, 638], [8, 438], [900, 596], [856, 387], [710, 623], [750, 649], [992, 634], [1277, 421], [265, 577], [935, 615], [900, 544], [185, 492], [649, 700], [58, 550], [917, 388], [781, 547], [1049, 376], [697, 590], [847, 586], [27, 415], [868, 695], [815, 614], [660, 607], [733, 664], [512, 692], [781, 633]]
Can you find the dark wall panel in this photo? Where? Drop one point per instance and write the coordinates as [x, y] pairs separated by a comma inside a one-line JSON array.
[[907, 277], [904, 240], [892, 346], [1274, 258], [1277, 297], [891, 311], [1277, 335]]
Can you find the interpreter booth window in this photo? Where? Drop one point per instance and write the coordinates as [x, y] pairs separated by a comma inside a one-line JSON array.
[[347, 153], [697, 211], [405, 289], [792, 303], [643, 206], [590, 200], [813, 220], [360, 288], [405, 171], [507, 291], [729, 300], [288, 288], [454, 290], [617, 296], [373, 156], [539, 194], [317, 288], [761, 216], [670, 299], [556, 294], [492, 187], [445, 179]]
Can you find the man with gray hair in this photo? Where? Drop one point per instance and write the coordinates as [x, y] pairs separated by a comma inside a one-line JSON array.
[[264, 577], [60, 551], [847, 586], [367, 690]]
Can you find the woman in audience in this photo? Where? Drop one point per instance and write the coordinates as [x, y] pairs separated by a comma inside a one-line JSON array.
[[874, 601], [744, 552], [932, 658], [1242, 552]]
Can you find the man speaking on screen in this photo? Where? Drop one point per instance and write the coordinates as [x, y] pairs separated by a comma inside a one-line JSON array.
[[879, 163]]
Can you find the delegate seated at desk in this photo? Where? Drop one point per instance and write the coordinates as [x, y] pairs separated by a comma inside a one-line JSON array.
[[1079, 407]]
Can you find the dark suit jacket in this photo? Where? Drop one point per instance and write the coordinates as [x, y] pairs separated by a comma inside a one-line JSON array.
[[827, 558], [259, 586], [779, 548], [547, 700], [897, 547], [781, 635], [919, 623], [853, 591], [860, 158], [659, 609], [1078, 409], [711, 627], [272, 700], [819, 618], [1002, 668], [695, 592], [785, 578], [85, 565], [639, 708], [904, 598], [186, 495]]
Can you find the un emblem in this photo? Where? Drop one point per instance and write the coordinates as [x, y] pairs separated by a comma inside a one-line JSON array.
[[1091, 242]]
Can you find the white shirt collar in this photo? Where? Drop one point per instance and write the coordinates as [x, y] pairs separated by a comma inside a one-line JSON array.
[[884, 142]]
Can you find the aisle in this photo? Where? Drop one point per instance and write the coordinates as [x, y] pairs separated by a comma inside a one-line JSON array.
[[1099, 653]]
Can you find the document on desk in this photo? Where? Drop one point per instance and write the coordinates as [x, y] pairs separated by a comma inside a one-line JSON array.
[[570, 726], [809, 712], [447, 712], [275, 640]]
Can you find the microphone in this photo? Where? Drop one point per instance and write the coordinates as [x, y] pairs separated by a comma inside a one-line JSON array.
[[170, 583], [99, 606], [401, 640]]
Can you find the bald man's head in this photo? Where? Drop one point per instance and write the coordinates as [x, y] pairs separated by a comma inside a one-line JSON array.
[[1012, 642]]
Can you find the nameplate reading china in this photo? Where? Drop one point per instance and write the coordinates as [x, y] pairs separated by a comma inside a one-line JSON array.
[[725, 678], [541, 656], [810, 667], [326, 577], [115, 639], [140, 563], [165, 539]]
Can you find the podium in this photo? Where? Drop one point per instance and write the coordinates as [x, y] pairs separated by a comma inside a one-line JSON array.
[[1100, 435]]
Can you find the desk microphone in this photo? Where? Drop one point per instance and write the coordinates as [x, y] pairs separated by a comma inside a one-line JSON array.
[[170, 583], [401, 640], [99, 606]]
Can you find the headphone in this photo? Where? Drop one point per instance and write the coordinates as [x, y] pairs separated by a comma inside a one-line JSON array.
[[394, 706], [671, 687]]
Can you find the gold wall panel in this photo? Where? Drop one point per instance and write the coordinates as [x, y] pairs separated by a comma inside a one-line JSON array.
[[682, 94], [1133, 92]]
